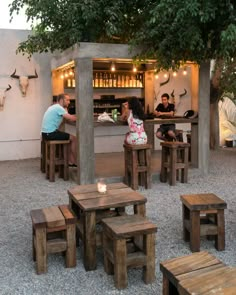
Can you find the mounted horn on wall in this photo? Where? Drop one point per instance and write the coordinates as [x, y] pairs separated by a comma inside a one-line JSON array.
[[24, 81], [3, 96]]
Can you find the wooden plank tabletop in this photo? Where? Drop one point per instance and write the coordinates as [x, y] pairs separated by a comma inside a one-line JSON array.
[[90, 188], [170, 121], [112, 201], [203, 202], [216, 281]]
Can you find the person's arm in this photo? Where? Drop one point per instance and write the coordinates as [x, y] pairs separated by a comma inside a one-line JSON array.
[[125, 112], [167, 114], [157, 111], [69, 117]]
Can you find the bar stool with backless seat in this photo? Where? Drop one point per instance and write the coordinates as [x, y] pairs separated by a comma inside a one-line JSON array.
[[137, 165], [174, 158], [59, 159]]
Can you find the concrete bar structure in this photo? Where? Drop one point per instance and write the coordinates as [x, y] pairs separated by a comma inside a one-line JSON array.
[[82, 56]]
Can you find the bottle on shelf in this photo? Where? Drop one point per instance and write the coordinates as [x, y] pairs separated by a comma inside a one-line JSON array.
[[96, 83]]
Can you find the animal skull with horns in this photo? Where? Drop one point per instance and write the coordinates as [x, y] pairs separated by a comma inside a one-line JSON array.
[[24, 81], [3, 96]]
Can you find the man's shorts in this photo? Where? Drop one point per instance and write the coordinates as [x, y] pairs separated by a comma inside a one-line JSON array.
[[164, 128], [56, 135]]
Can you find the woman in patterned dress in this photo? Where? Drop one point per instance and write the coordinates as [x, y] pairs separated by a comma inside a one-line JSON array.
[[134, 114]]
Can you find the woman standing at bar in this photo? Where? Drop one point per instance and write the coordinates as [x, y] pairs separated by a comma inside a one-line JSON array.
[[133, 113]]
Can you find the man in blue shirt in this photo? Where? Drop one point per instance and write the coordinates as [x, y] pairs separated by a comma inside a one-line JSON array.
[[53, 118], [165, 109]]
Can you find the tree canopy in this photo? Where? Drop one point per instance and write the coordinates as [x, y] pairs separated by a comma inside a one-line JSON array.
[[171, 31]]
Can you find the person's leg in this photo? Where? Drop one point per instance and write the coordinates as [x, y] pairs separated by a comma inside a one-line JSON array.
[[171, 132], [159, 134]]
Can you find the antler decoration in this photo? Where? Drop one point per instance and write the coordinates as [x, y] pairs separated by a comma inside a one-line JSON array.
[[33, 76], [182, 94], [8, 88], [14, 75], [168, 79]]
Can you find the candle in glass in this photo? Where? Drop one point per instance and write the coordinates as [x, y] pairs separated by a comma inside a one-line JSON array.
[[102, 186]]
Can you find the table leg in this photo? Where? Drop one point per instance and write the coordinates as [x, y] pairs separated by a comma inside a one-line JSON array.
[[220, 238], [195, 231], [186, 217], [89, 241]]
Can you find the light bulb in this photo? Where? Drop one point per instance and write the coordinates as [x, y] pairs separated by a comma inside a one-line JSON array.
[[62, 76], [113, 67], [134, 68], [174, 74], [165, 75], [156, 76], [184, 72]]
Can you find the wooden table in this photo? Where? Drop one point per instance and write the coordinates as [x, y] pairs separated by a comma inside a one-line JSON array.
[[148, 125], [90, 206]]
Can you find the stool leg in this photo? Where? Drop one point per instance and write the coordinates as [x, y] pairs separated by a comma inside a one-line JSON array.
[[195, 231], [164, 156], [134, 173], [52, 162], [33, 244], [126, 180], [149, 250], [148, 173], [43, 156], [220, 238], [41, 250], [173, 160], [66, 162], [71, 246], [142, 162], [89, 241], [186, 216], [108, 266], [47, 161], [184, 174], [120, 269]]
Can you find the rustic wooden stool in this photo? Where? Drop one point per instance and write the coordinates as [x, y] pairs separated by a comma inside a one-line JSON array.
[[129, 241], [177, 269], [203, 215], [53, 231], [137, 165], [174, 157], [59, 159]]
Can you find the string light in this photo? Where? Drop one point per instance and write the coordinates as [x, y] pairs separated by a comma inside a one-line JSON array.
[[113, 67], [165, 75], [134, 69], [174, 74], [185, 71]]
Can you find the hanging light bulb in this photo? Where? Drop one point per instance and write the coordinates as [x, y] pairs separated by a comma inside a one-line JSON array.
[[66, 75], [185, 71], [113, 67], [174, 74], [134, 69], [165, 75], [71, 72], [156, 76], [62, 76]]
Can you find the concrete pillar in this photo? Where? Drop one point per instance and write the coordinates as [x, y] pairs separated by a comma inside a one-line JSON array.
[[85, 121], [204, 117]]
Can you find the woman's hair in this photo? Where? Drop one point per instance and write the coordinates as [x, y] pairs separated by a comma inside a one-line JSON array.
[[136, 107]]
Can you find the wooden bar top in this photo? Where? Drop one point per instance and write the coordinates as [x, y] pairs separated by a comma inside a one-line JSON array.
[[173, 120]]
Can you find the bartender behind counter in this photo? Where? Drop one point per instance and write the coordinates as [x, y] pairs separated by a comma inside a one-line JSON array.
[[165, 109]]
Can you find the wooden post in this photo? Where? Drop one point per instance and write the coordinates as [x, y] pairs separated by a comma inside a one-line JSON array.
[[204, 117], [85, 120]]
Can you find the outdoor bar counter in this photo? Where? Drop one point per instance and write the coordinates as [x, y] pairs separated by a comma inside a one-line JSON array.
[[109, 137]]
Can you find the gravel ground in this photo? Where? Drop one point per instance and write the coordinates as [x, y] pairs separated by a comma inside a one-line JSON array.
[[23, 187]]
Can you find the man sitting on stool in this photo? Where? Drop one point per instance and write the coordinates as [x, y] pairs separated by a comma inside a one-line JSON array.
[[165, 109], [51, 121]]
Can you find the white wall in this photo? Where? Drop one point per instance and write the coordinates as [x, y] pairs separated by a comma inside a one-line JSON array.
[[21, 117]]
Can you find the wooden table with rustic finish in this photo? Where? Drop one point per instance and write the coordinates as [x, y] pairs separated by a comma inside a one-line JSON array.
[[90, 206]]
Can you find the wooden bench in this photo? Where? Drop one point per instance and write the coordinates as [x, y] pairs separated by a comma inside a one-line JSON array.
[[137, 165], [53, 232], [174, 157], [177, 270], [203, 215], [129, 241], [59, 159]]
